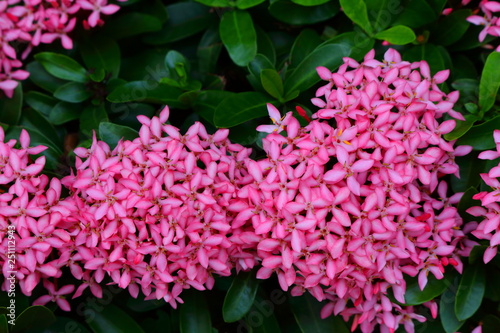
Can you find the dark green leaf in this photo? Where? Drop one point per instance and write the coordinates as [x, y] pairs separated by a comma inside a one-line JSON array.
[[258, 64], [214, 3], [437, 5], [111, 319], [470, 291], [194, 314], [415, 14], [461, 128], [97, 75], [139, 304], [245, 4], [244, 134], [261, 318], [491, 324], [145, 65], [62, 67], [291, 13], [157, 9], [35, 316], [73, 92], [480, 137], [358, 13], [185, 19], [469, 175], [306, 310], [434, 288], [239, 297], [397, 35], [112, 133], [490, 82], [272, 83], [101, 53], [132, 24], [447, 310], [305, 43], [91, 117], [126, 113], [466, 202], [429, 53], [11, 107], [451, 28], [40, 102], [4, 328], [207, 101], [34, 120], [239, 108], [310, 2], [238, 36], [265, 45], [64, 112], [42, 78], [476, 254], [64, 324], [208, 51], [146, 91], [329, 55], [382, 12]]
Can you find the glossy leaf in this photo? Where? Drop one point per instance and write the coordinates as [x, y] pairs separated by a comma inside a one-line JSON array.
[[112, 133], [64, 112], [310, 2], [490, 82], [415, 14], [42, 78], [91, 117], [469, 175], [239, 297], [111, 319], [195, 314], [72, 92], [208, 51], [461, 128], [434, 288], [245, 4], [40, 102], [239, 108], [447, 310], [480, 137], [101, 53], [306, 310], [35, 316], [185, 19], [265, 45], [451, 28], [305, 43], [207, 101], [132, 24], [358, 13], [470, 291], [429, 53], [258, 64], [146, 91], [272, 83], [291, 13], [466, 202], [214, 3], [62, 67], [11, 107], [397, 35], [34, 120], [381, 13], [238, 36]]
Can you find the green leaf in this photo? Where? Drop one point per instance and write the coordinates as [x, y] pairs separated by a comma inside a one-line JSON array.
[[40, 102], [258, 64], [291, 13], [207, 102], [208, 51], [272, 83], [429, 53], [245, 4], [328, 54], [131, 24], [466, 202], [97, 75], [261, 318], [310, 2], [63, 324], [64, 112], [480, 137], [239, 108], [238, 36], [490, 82], [397, 35], [382, 13], [239, 297], [470, 291], [447, 310], [469, 175], [4, 328], [195, 314], [111, 319], [461, 128], [140, 305], [265, 45], [62, 67], [451, 28], [434, 288], [73, 92], [42, 78], [91, 117], [305, 43], [306, 310], [126, 113], [146, 91], [34, 120], [214, 3], [358, 13], [185, 19], [11, 107], [35, 316], [112, 133], [101, 53], [415, 14]]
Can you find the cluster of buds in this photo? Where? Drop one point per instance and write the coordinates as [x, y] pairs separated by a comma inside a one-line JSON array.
[[28, 23]]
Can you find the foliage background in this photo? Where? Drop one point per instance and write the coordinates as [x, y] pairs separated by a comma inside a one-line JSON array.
[[220, 62]]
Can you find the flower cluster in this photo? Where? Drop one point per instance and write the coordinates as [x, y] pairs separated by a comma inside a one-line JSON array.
[[489, 210], [28, 23], [352, 202], [490, 22]]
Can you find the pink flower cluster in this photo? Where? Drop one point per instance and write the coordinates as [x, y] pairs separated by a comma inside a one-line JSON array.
[[489, 227], [31, 22], [343, 208], [490, 22], [353, 201]]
